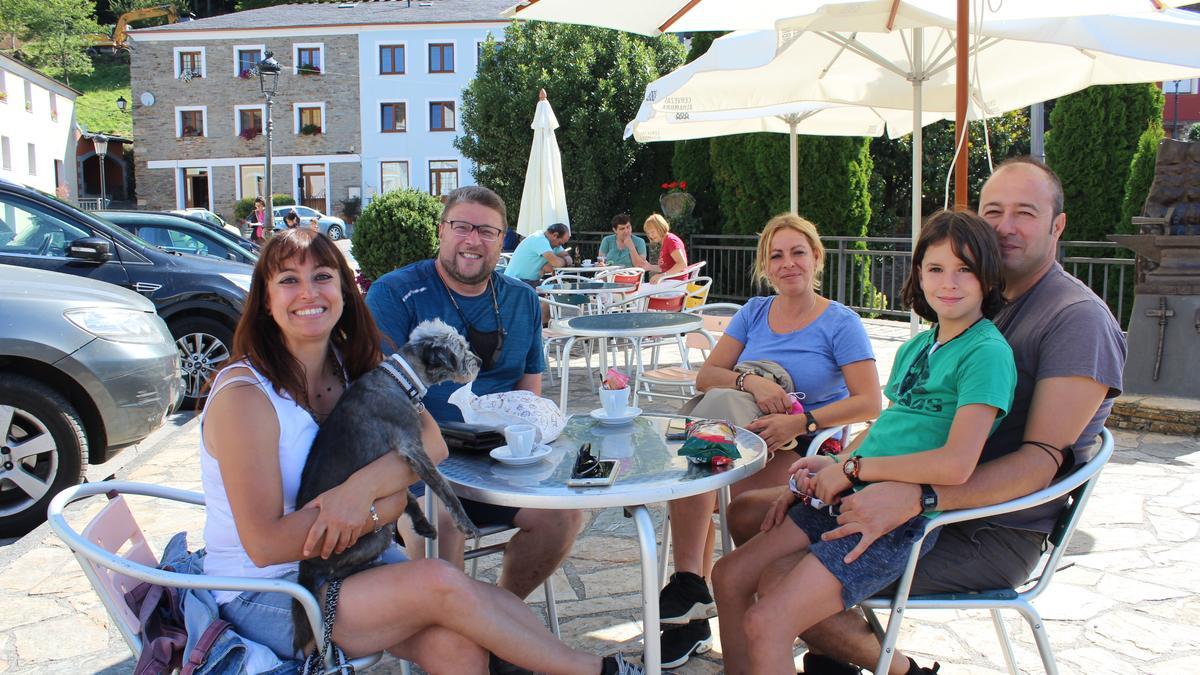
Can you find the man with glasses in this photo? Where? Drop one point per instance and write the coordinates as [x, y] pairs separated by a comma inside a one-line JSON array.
[[499, 316], [540, 252], [1069, 352]]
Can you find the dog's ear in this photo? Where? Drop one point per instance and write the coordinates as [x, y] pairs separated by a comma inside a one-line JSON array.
[[438, 356]]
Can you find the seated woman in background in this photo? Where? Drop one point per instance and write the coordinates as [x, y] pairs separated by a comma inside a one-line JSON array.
[[305, 336], [672, 256], [825, 350]]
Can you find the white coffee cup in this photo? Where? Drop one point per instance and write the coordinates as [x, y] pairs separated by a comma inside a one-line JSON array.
[[615, 401], [520, 439], [587, 263]]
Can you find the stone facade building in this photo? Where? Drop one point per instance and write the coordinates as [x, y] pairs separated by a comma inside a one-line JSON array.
[[198, 110]]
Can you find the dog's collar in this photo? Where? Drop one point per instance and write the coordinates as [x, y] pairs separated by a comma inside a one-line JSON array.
[[407, 378]]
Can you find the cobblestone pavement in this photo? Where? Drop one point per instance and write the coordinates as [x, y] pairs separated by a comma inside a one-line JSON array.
[[1128, 600]]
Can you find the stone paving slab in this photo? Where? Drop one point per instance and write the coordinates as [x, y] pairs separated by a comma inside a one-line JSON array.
[[1127, 600]]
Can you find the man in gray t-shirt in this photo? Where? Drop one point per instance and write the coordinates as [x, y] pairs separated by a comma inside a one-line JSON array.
[[1069, 353]]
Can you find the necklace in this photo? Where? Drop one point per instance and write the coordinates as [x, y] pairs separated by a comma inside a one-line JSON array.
[[339, 376]]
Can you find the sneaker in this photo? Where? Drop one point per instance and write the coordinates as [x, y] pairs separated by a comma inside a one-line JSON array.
[[498, 666], [617, 665], [819, 664], [678, 643], [685, 598], [914, 669]]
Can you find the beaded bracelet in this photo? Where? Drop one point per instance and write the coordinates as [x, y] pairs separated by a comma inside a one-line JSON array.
[[741, 381], [375, 518]]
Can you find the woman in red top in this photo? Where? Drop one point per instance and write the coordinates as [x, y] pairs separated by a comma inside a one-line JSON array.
[[672, 256]]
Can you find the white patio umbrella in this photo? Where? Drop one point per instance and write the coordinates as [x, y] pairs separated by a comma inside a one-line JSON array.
[[544, 199], [814, 119], [653, 17]]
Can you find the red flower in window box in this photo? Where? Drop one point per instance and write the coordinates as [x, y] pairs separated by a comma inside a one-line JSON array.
[[246, 74], [309, 69], [249, 133], [190, 131]]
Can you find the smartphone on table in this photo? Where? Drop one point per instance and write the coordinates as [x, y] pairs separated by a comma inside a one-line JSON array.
[[591, 471], [677, 429]]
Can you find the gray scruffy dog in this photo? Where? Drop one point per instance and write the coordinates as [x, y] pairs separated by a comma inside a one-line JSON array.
[[380, 414]]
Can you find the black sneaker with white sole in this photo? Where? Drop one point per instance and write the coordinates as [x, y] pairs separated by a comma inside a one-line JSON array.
[[678, 643], [685, 598]]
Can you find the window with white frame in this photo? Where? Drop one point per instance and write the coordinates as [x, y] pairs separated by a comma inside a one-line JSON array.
[[393, 117], [393, 176], [250, 180], [53, 107], [32, 159], [248, 120], [443, 176], [28, 96], [308, 58], [3, 87], [5, 153], [245, 59], [391, 59], [309, 118], [189, 62], [191, 121]]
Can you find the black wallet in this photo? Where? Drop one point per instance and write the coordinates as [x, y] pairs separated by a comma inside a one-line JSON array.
[[463, 437]]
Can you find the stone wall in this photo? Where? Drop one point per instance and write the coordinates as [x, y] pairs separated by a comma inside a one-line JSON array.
[[1161, 414], [153, 70]]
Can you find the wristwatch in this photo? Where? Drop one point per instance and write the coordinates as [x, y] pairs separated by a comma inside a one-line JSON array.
[[810, 426], [851, 467], [929, 498]]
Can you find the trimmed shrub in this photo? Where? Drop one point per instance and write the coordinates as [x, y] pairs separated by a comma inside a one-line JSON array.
[[396, 228], [1141, 175]]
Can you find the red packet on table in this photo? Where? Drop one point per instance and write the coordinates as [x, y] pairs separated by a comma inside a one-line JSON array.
[[710, 442], [615, 380]]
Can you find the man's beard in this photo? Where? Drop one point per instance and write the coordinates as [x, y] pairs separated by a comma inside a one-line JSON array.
[[452, 270]]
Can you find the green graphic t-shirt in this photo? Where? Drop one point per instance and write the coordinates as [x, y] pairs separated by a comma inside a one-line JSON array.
[[926, 389]]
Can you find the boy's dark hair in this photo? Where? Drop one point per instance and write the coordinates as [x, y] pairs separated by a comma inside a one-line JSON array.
[[620, 219], [975, 243]]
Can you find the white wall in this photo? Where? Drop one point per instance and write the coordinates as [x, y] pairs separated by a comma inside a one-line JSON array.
[[52, 138], [417, 87]]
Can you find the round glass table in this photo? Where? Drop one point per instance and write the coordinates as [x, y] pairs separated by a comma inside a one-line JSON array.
[[650, 471]]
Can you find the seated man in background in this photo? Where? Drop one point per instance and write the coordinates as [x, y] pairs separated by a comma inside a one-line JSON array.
[[540, 253], [613, 248], [498, 316]]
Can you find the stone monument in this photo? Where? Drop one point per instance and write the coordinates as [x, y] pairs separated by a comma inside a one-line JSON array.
[[1164, 330]]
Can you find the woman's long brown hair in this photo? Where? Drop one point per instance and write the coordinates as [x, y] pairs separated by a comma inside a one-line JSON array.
[[258, 339]]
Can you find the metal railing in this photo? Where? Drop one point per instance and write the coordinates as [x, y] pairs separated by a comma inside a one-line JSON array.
[[867, 273], [93, 203]]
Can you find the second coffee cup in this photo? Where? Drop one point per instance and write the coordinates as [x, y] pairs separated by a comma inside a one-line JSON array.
[[520, 439]]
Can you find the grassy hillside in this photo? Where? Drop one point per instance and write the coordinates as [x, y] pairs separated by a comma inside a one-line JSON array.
[[97, 107]]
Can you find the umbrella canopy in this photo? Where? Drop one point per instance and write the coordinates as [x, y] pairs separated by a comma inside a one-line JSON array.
[[816, 119], [544, 199], [652, 17]]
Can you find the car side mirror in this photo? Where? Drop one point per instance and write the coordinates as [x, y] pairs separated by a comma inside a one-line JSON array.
[[231, 256], [96, 249]]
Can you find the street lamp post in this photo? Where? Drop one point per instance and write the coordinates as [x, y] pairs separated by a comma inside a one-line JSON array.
[[101, 143], [268, 82]]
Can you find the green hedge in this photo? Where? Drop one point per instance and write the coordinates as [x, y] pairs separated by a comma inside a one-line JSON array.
[[396, 228], [242, 208]]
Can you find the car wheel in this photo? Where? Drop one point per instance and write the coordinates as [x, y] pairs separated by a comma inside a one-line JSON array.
[[335, 232], [43, 452], [203, 345]]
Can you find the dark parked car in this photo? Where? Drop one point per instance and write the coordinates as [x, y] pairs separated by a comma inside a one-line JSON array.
[[86, 368], [201, 299], [196, 218], [176, 234]]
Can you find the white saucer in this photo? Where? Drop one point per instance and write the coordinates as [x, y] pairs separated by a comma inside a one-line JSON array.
[[502, 455], [602, 417]]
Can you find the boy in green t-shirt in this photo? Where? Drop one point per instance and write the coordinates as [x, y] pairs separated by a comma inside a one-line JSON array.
[[948, 388]]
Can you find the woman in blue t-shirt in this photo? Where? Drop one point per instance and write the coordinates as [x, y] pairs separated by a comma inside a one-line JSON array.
[[824, 348]]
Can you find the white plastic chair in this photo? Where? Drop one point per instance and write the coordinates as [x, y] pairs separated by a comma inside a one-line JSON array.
[[114, 568], [1076, 487], [662, 381]]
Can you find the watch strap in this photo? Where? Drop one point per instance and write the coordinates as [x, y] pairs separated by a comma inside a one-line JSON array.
[[810, 424]]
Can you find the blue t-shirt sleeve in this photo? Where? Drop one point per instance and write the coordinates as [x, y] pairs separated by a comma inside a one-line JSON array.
[[851, 343], [739, 326], [393, 317], [607, 245], [534, 358], [988, 376]]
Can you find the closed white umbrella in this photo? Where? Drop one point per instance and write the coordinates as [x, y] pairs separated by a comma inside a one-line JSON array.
[[544, 199]]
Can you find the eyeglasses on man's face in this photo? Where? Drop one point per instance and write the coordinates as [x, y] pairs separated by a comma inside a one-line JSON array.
[[464, 229]]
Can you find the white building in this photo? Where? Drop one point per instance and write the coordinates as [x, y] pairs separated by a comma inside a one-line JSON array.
[[37, 130], [369, 100]]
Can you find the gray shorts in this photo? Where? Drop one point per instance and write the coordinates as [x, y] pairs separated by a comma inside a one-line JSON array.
[[975, 556], [266, 617], [881, 564]]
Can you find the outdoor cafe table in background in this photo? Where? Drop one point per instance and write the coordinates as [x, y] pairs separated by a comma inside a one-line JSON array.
[[650, 471], [583, 292], [586, 269], [634, 326]]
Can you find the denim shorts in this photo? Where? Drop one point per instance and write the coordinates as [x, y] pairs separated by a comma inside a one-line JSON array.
[[882, 563], [266, 617], [483, 515]]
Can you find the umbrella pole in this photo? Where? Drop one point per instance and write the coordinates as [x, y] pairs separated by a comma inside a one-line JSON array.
[[794, 163], [918, 139], [961, 141]]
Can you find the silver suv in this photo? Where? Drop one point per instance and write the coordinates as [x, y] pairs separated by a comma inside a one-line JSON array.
[[86, 368]]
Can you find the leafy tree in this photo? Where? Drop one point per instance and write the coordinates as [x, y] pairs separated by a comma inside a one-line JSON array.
[[1093, 136], [14, 22], [1141, 175], [243, 207], [58, 37], [396, 228], [594, 78], [690, 162]]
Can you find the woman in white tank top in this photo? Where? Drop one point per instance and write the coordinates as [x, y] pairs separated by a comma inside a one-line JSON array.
[[304, 334]]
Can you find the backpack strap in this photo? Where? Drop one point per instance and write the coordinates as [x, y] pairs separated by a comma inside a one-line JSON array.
[[207, 639]]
